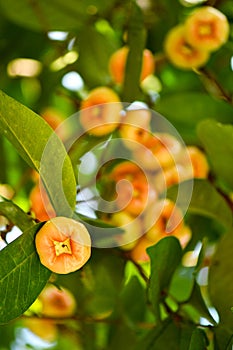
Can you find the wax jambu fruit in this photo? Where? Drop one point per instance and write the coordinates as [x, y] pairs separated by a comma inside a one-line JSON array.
[[63, 245]]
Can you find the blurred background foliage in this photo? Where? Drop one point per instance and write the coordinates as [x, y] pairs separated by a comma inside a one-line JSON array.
[[52, 54]]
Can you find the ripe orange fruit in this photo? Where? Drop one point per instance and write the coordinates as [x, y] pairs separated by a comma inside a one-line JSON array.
[[63, 245], [40, 204], [118, 60], [57, 302], [100, 111]]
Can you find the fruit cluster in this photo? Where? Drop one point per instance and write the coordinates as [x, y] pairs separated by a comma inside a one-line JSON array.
[[188, 45], [157, 161]]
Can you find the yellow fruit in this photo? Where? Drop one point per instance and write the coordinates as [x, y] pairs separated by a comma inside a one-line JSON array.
[[181, 53], [207, 28], [131, 226], [100, 111]]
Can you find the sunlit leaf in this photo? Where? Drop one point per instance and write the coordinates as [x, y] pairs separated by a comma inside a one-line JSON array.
[[39, 146], [15, 214]]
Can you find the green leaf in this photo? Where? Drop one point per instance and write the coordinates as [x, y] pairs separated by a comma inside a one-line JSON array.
[[205, 201], [165, 257], [121, 337], [198, 340], [136, 43], [168, 338], [182, 283], [53, 15], [40, 147], [99, 284], [186, 109], [149, 337], [217, 140], [15, 214], [103, 235], [93, 59], [223, 338], [22, 277], [197, 301], [220, 280], [133, 300]]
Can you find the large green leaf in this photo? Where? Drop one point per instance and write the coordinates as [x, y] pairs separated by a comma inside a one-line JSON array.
[[53, 15], [198, 340], [40, 147], [165, 257], [186, 109], [205, 201], [220, 280], [217, 139], [15, 214], [22, 277]]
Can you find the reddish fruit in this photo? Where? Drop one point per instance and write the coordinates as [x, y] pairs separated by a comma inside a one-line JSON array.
[[63, 245], [57, 302]]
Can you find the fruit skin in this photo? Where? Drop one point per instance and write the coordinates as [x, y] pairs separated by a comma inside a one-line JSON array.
[[199, 162], [134, 190], [57, 302], [45, 329], [100, 111], [161, 151], [160, 215], [138, 253], [135, 128], [181, 53], [163, 219], [63, 245], [207, 28], [118, 60], [40, 204]]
